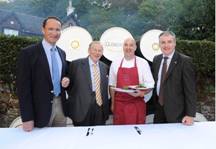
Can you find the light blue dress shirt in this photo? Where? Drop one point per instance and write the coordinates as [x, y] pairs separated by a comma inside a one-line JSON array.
[[47, 48]]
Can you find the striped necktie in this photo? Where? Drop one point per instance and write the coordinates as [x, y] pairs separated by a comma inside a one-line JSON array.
[[96, 75]]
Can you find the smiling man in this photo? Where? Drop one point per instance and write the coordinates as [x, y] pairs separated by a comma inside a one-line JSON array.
[[175, 91], [88, 88], [129, 108], [40, 68]]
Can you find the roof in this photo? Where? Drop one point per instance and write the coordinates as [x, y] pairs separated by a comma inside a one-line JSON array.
[[29, 23], [71, 16]]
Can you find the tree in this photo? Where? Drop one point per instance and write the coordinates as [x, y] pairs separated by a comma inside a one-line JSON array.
[[17, 6], [44, 8], [189, 19]]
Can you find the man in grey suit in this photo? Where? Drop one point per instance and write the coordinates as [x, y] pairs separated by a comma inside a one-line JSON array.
[[88, 93], [175, 91]]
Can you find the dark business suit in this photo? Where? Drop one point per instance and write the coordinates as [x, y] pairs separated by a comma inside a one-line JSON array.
[[81, 96], [34, 84], [179, 88]]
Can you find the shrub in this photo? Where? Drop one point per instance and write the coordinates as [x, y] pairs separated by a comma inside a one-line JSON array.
[[9, 49]]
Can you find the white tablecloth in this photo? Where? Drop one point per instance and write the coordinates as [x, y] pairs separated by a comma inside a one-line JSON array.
[[201, 135]]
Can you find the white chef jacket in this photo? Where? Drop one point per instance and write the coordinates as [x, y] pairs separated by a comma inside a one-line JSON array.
[[144, 72]]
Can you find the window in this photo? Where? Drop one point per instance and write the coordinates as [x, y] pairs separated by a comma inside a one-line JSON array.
[[13, 32]]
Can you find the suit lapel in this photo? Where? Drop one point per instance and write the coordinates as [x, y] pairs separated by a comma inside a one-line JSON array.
[[86, 72], [102, 76], [172, 65], [157, 66], [45, 63], [63, 61]]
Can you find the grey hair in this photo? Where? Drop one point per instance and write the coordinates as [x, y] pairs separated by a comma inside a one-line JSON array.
[[168, 33], [93, 43]]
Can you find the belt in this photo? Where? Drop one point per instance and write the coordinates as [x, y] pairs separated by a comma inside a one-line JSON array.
[[56, 96]]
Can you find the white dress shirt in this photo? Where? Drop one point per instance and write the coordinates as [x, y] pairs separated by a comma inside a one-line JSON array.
[[160, 69], [91, 65]]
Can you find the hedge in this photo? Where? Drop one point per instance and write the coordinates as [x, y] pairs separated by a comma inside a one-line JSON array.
[[202, 52], [9, 49]]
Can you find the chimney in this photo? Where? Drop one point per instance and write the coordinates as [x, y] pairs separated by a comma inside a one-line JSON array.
[[70, 8]]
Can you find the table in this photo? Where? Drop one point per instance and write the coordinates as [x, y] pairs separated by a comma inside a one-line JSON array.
[[201, 135]]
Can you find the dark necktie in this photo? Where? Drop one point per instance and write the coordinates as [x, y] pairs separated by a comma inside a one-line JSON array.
[[163, 75], [55, 72]]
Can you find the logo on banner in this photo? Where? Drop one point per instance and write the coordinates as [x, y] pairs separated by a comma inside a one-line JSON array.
[[75, 44]]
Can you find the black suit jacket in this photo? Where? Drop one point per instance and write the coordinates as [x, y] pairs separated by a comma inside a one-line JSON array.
[[179, 87], [34, 84], [80, 89]]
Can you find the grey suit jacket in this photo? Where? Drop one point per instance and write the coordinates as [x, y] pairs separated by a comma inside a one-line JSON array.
[[80, 89], [179, 87]]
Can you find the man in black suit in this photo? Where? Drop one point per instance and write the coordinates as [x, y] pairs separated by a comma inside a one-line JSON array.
[[40, 68], [88, 93], [175, 90]]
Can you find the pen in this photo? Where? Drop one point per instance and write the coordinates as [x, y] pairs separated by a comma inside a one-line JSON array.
[[138, 130], [92, 131], [88, 132]]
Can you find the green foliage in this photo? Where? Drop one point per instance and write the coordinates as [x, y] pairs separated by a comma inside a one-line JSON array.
[[189, 19], [9, 49], [22, 6], [203, 54], [128, 5], [44, 8]]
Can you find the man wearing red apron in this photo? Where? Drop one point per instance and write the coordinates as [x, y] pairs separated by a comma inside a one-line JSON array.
[[129, 108]]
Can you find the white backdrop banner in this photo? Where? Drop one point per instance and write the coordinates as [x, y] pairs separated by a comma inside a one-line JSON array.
[[149, 44], [112, 40], [74, 41]]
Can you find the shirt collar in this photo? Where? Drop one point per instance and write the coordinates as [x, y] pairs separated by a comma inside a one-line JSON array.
[[91, 62], [47, 45], [169, 56], [130, 59]]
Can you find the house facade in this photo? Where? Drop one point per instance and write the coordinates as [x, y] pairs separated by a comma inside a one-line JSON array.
[[19, 24]]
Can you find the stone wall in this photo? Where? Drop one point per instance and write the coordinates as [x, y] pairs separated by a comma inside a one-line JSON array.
[[9, 109]]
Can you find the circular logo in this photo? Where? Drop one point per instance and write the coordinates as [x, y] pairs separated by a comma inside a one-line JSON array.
[[75, 44], [155, 46]]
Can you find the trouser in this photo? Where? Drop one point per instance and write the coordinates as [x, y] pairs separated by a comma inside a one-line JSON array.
[[159, 116], [94, 116], [57, 118]]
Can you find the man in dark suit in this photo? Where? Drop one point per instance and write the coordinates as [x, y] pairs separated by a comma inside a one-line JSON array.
[[175, 90], [38, 81], [88, 93]]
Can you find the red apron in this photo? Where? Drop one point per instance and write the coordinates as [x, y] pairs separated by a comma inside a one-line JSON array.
[[128, 109]]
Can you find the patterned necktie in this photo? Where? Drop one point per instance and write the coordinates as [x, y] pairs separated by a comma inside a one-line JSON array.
[[97, 85], [55, 72], [163, 75]]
